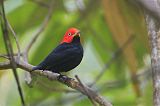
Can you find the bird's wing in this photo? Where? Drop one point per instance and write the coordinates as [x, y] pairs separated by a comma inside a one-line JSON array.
[[58, 56]]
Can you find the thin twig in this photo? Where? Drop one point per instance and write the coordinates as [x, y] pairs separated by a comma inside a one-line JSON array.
[[15, 37], [114, 56], [6, 57], [89, 96], [15, 54], [41, 29], [9, 50]]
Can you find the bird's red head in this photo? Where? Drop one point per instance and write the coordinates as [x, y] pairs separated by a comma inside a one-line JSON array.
[[70, 34]]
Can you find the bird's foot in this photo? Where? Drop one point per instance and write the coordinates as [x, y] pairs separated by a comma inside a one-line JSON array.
[[64, 78]]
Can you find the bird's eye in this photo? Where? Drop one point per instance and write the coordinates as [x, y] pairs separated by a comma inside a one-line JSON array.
[[69, 34]]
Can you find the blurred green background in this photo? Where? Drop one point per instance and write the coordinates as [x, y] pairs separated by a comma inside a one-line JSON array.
[[114, 37]]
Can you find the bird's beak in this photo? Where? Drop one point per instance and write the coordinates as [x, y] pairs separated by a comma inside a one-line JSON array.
[[77, 34]]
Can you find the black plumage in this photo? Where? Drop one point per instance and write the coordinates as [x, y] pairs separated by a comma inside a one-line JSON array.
[[63, 58]]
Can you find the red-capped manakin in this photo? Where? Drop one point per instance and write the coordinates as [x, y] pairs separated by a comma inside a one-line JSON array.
[[65, 56]]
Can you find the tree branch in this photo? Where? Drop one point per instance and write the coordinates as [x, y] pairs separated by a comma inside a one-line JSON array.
[[88, 93], [5, 65], [152, 16], [6, 57], [154, 37], [70, 82]]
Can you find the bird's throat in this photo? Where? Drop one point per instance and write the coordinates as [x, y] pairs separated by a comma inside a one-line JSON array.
[[76, 39]]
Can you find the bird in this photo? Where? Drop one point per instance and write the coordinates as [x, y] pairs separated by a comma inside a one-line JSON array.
[[66, 56]]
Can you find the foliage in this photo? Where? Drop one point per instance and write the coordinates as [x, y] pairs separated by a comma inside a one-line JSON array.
[[105, 27]]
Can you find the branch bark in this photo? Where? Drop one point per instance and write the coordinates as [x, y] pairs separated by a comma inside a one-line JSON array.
[[154, 37], [152, 16]]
